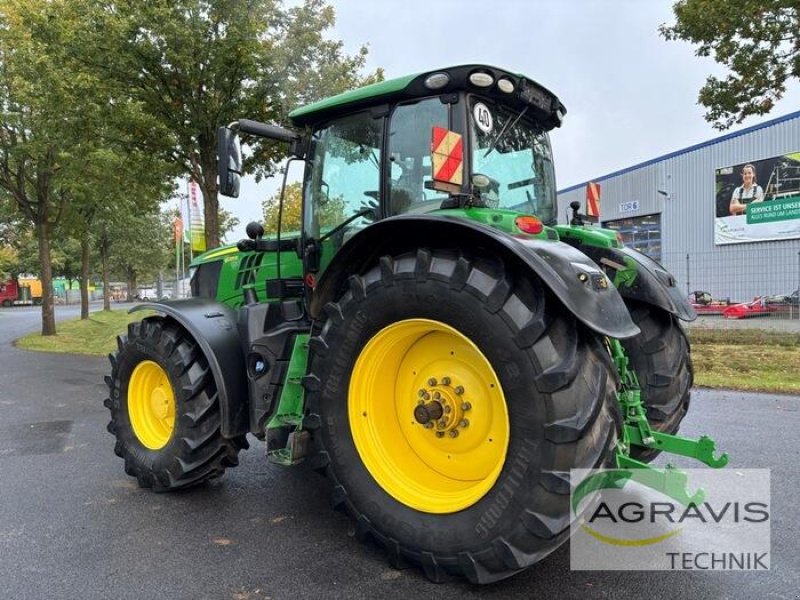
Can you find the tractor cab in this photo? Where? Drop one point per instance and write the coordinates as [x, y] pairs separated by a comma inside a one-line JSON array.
[[458, 138]]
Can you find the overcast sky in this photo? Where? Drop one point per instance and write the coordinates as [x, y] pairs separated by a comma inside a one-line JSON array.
[[630, 95]]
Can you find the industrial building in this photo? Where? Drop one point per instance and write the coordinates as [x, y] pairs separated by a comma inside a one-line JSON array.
[[681, 210]]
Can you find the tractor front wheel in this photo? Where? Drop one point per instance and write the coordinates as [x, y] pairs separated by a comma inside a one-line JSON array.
[[165, 412], [453, 399]]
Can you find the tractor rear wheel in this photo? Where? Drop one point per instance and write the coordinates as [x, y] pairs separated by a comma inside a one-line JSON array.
[[660, 357], [165, 410], [453, 399]]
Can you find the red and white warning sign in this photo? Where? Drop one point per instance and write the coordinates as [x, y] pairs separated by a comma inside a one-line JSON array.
[[593, 199], [447, 156]]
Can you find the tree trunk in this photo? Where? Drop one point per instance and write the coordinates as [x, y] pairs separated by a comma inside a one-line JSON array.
[[132, 285], [48, 309], [106, 285], [84, 283], [208, 186]]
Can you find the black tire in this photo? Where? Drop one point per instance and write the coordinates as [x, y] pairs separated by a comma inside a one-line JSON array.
[[661, 358], [7, 303], [196, 450], [559, 388]]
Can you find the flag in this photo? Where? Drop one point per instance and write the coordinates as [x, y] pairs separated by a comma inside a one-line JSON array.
[[178, 226], [197, 233], [186, 219]]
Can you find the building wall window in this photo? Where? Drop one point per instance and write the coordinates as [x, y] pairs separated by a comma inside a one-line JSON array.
[[641, 233]]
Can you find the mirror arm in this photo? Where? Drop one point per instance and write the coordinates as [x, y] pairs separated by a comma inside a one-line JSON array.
[[273, 132]]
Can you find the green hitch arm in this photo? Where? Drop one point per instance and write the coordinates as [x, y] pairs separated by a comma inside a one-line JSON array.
[[637, 432], [701, 450], [669, 481]]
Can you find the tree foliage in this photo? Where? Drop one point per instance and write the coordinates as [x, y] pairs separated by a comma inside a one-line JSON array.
[[756, 40], [194, 65], [330, 212], [67, 136], [141, 247], [8, 263], [291, 219]]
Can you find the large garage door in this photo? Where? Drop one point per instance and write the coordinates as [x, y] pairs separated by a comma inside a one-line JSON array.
[[642, 233]]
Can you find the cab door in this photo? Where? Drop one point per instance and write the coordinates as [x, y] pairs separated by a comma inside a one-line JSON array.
[[343, 185]]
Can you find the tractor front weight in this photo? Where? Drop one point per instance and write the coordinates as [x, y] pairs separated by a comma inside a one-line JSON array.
[[637, 432]]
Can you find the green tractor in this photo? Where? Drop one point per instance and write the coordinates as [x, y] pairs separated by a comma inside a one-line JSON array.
[[431, 340]]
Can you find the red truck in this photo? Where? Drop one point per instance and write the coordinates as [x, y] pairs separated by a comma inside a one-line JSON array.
[[16, 293]]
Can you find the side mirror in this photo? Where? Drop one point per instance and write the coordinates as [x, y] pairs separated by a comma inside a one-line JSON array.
[[229, 162]]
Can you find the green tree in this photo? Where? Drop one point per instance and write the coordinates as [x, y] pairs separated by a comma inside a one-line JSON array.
[[8, 263], [193, 65], [142, 247], [119, 182], [757, 41], [67, 261], [330, 213], [26, 248], [292, 205], [37, 127], [66, 132], [227, 222]]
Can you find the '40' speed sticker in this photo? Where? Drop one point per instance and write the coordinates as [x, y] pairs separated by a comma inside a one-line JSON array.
[[483, 117]]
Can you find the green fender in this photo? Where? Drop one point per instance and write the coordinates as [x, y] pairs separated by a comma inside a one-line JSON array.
[[574, 278], [213, 327]]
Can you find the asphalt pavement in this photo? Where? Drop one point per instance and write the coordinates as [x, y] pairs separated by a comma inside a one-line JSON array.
[[73, 525]]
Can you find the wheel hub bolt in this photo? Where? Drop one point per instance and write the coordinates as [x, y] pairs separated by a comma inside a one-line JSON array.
[[436, 395], [464, 422], [445, 381], [429, 425], [466, 406], [454, 433], [446, 409], [432, 381], [459, 389], [426, 413], [421, 393], [440, 434]]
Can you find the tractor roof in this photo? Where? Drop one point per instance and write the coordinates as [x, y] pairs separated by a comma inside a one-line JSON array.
[[516, 90]]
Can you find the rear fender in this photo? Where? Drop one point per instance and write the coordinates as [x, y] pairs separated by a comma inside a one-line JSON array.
[[571, 276], [213, 327], [638, 277]]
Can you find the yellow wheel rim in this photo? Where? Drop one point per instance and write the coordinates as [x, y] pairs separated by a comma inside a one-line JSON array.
[[151, 405], [428, 416]]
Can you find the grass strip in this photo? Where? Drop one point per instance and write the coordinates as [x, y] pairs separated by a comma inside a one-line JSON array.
[[746, 359], [96, 336]]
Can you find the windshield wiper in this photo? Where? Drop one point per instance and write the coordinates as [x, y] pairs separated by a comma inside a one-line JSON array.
[[503, 131]]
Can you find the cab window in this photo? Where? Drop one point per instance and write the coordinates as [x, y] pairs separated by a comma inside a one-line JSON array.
[[345, 176], [410, 156]]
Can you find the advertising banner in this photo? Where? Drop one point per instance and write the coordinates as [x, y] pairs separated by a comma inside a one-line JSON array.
[[196, 224], [758, 201]]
